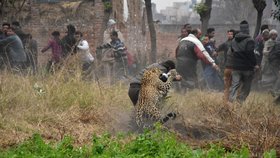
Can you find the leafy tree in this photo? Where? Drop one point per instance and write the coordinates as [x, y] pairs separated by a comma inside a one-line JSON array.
[[153, 36], [204, 11], [260, 6]]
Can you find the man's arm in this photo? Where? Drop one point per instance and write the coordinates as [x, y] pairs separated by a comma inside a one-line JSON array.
[[221, 47], [203, 56], [107, 45], [47, 47], [6, 41], [200, 46], [250, 46], [176, 51]]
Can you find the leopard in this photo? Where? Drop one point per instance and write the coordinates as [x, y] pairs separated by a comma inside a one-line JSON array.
[[152, 93]]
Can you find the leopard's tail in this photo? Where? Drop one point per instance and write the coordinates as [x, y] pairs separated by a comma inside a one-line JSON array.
[[171, 115]]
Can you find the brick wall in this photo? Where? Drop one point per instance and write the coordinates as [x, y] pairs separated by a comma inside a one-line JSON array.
[[46, 18], [89, 19]]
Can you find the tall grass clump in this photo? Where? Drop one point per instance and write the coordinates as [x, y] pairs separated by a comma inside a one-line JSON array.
[[55, 104], [254, 123]]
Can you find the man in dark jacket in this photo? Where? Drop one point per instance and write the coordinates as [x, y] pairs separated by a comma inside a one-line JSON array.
[[19, 32], [243, 63], [31, 49], [68, 42], [15, 50], [224, 48]]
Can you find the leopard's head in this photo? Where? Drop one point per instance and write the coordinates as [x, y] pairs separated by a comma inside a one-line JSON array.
[[150, 76]]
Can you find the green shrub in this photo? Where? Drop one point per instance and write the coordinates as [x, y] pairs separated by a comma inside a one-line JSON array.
[[151, 143]]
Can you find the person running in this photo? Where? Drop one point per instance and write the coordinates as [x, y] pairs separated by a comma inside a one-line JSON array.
[[55, 44]]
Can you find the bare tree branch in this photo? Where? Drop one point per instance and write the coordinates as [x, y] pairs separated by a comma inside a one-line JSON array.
[[20, 8]]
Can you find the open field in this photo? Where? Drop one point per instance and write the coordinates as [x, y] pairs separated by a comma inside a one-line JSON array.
[[58, 105]]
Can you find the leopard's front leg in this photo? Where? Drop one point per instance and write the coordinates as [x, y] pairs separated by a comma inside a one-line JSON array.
[[139, 116]]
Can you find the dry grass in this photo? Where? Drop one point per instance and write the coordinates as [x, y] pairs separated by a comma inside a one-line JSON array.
[[254, 123], [63, 104], [55, 106]]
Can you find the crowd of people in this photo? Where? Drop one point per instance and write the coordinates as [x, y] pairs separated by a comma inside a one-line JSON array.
[[233, 67], [18, 51], [243, 62]]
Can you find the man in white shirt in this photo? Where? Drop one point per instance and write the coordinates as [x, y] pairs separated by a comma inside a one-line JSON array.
[[83, 51]]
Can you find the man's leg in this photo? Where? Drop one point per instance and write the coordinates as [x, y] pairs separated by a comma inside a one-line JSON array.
[[247, 78], [276, 87], [207, 74], [276, 71], [227, 84], [236, 81], [49, 65]]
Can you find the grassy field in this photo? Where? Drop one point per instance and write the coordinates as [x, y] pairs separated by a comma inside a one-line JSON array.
[[62, 108]]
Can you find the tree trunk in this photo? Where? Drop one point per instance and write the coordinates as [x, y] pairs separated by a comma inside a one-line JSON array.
[[258, 25], [105, 22], [2, 3], [105, 19], [153, 55], [204, 24], [205, 16], [260, 6]]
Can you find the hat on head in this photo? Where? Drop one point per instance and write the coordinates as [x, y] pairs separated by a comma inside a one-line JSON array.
[[169, 64], [244, 27], [111, 22]]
